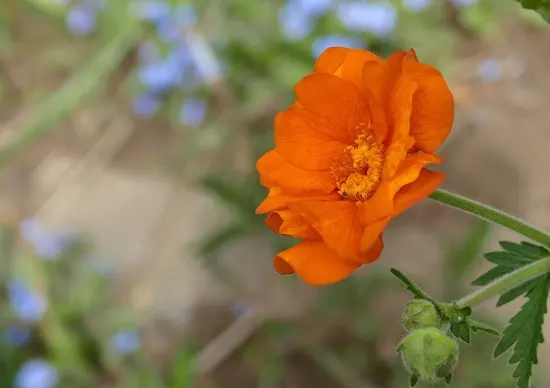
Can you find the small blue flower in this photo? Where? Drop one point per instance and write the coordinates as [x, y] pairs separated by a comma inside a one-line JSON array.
[[169, 31], [295, 23], [241, 308], [324, 42], [146, 105], [416, 5], [17, 335], [153, 11], [464, 3], [125, 342], [36, 373], [377, 18], [314, 7], [31, 230], [490, 70], [81, 21], [26, 304], [193, 112], [159, 77], [185, 15]]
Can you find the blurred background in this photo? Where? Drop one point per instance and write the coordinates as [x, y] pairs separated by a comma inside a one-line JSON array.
[[130, 253]]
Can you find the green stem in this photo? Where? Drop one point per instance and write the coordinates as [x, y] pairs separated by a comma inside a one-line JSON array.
[[488, 213], [505, 283], [492, 214]]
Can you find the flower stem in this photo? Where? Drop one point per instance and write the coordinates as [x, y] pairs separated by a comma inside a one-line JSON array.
[[488, 213], [491, 214], [505, 283]]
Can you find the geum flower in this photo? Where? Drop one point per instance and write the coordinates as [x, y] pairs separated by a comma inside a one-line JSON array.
[[350, 154]]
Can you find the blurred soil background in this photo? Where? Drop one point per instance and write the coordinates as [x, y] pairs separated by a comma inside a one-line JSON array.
[[156, 178]]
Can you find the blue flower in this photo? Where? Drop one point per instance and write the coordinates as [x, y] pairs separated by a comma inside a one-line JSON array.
[[314, 7], [490, 70], [295, 23], [159, 77], [464, 3], [416, 5], [193, 112], [17, 335], [145, 105], [377, 18], [125, 342], [185, 15], [324, 42], [153, 11], [36, 373], [81, 21], [46, 245], [241, 308], [26, 304]]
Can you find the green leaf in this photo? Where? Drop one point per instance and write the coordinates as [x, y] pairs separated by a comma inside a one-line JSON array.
[[461, 330], [183, 367], [81, 85], [515, 293], [412, 287], [511, 258], [481, 326], [214, 242], [414, 380], [524, 332]]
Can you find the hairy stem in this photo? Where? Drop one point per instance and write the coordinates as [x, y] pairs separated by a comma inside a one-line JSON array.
[[492, 214]]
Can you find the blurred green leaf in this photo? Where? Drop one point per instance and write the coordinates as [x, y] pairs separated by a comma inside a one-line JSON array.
[[80, 85], [182, 369], [460, 258]]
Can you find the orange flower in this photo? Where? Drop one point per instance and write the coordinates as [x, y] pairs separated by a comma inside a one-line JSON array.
[[350, 154]]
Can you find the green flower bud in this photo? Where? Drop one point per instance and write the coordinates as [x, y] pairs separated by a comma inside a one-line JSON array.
[[420, 314], [429, 353]]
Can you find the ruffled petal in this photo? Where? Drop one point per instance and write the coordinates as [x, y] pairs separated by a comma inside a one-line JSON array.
[[433, 106], [288, 223], [277, 200], [303, 141], [338, 103], [426, 183], [400, 112], [337, 223], [276, 171], [314, 262], [346, 63]]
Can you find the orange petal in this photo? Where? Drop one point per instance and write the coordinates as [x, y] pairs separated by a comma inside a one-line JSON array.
[[372, 235], [276, 171], [277, 200], [288, 223], [335, 102], [303, 142], [375, 250], [337, 223], [420, 189], [400, 112], [346, 63], [314, 262], [381, 205], [433, 106]]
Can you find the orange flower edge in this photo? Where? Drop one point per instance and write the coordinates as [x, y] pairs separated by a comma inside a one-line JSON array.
[[350, 154]]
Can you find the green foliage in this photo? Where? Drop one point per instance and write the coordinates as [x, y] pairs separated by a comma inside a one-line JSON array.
[[524, 331]]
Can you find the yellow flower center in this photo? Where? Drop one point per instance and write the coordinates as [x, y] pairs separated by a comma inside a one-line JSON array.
[[359, 169]]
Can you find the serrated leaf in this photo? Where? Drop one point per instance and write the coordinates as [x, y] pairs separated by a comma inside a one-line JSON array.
[[461, 330], [411, 286], [414, 380], [482, 326], [449, 378], [515, 293], [513, 257], [524, 332]]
